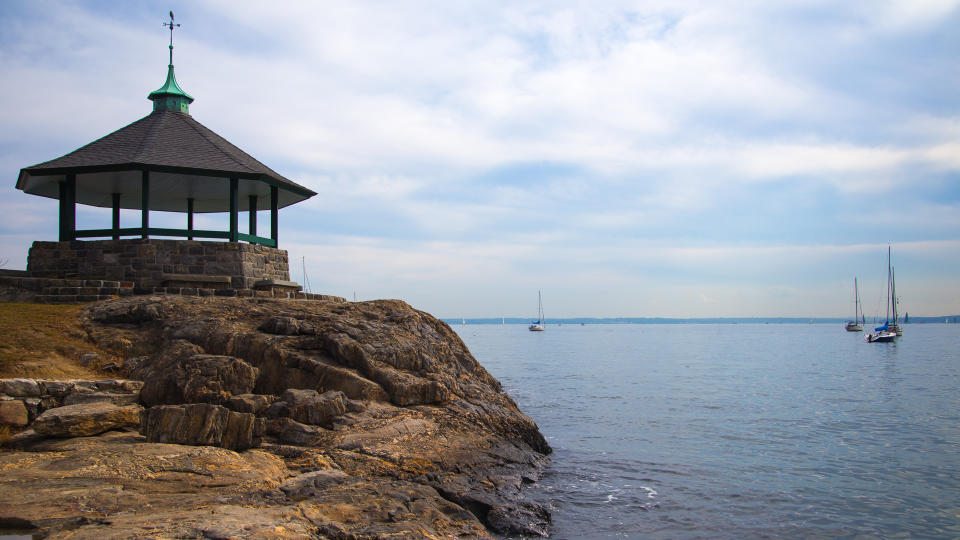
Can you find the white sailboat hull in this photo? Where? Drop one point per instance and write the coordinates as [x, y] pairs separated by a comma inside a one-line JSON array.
[[880, 337]]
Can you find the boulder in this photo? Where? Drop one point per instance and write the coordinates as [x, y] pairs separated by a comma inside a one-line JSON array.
[[255, 404], [284, 326], [199, 424], [57, 388], [13, 413], [108, 397], [408, 390], [85, 419], [198, 378], [19, 387], [311, 407]]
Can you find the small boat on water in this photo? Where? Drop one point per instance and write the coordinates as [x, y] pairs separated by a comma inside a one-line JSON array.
[[882, 334], [540, 324], [887, 332], [856, 325]]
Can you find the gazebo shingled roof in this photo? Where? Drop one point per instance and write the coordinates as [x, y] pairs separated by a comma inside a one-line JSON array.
[[185, 158], [166, 161]]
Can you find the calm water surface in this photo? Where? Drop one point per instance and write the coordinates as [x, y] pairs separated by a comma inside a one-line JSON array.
[[738, 431]]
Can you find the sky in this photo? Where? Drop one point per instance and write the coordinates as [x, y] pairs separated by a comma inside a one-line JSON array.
[[628, 159]]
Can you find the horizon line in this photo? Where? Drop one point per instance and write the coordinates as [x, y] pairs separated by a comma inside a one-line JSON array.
[[522, 320]]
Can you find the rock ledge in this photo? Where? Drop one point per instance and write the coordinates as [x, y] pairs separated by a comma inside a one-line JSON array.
[[353, 420]]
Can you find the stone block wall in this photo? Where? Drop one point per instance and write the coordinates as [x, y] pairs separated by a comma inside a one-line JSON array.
[[146, 262]]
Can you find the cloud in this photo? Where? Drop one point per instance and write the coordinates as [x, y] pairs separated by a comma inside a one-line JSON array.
[[909, 15]]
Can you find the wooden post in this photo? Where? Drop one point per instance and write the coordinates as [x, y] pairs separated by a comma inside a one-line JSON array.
[[116, 216], [253, 215], [64, 231], [274, 203], [234, 204], [145, 203], [189, 218], [68, 208]]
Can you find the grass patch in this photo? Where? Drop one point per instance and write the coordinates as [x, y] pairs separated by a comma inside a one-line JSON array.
[[42, 340]]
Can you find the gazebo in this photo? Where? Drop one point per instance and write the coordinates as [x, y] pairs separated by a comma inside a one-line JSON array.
[[166, 161]]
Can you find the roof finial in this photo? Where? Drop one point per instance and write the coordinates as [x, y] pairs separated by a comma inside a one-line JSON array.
[[170, 97], [171, 25]]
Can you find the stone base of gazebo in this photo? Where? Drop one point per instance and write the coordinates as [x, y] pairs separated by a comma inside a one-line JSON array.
[[87, 271], [151, 263]]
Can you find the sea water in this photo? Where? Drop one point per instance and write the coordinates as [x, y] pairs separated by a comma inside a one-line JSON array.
[[738, 430]]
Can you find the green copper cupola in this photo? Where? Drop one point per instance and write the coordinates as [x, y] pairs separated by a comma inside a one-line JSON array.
[[170, 97]]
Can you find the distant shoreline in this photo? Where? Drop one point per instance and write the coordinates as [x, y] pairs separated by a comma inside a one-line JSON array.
[[454, 321]]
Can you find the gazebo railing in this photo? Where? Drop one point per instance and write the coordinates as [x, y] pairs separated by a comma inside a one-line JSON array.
[[179, 233], [68, 216]]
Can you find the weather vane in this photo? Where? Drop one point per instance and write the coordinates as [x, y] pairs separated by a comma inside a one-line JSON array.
[[171, 25]]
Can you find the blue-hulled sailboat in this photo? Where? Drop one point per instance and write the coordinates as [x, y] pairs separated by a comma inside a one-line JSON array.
[[886, 332], [540, 324]]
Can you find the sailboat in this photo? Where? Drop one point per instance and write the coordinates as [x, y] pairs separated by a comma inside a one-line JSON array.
[[856, 325], [884, 333], [540, 324]]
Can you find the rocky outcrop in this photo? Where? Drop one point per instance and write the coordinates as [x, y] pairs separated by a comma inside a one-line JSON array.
[[39, 395], [194, 378], [201, 424], [20, 388], [355, 420], [86, 419], [311, 407], [250, 403]]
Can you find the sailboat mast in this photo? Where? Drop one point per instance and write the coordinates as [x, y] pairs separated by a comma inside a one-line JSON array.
[[856, 302], [893, 292], [863, 316], [856, 314], [888, 284]]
